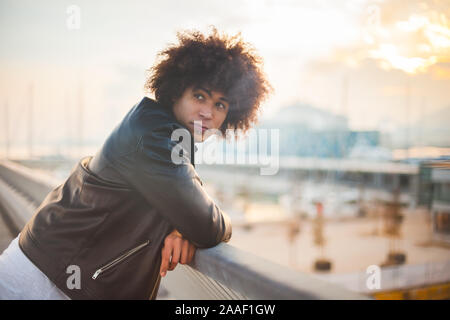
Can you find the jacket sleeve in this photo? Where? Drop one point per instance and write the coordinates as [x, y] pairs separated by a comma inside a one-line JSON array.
[[176, 191]]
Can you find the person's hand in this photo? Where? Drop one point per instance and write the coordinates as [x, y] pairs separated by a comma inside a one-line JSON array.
[[176, 249]]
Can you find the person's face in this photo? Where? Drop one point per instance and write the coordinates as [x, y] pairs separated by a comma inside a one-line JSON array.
[[208, 109]]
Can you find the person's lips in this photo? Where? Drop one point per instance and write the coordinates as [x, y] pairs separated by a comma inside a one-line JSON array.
[[196, 127]]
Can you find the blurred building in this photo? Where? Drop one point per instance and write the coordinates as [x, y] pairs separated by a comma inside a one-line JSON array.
[[306, 131], [434, 192]]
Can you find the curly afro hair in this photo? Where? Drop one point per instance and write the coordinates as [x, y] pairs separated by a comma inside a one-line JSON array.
[[219, 62]]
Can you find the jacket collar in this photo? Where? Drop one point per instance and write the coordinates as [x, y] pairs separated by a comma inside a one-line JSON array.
[[169, 112]]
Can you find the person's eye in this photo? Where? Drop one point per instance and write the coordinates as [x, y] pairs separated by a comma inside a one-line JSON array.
[[199, 96], [221, 105]]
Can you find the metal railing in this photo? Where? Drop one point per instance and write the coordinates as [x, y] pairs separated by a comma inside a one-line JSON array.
[[221, 272]]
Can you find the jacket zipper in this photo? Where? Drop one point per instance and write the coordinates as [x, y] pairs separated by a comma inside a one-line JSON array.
[[119, 259]]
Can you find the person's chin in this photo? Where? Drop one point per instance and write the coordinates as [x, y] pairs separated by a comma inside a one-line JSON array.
[[198, 138]]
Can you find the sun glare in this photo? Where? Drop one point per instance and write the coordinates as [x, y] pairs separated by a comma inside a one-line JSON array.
[[420, 43], [390, 58]]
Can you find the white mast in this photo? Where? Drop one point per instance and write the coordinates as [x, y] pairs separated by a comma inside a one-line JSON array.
[[30, 120], [407, 111], [80, 119], [6, 119]]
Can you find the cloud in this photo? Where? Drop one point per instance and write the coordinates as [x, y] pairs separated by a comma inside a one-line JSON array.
[[410, 36]]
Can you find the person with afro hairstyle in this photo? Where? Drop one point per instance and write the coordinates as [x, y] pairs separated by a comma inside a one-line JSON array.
[[132, 212]]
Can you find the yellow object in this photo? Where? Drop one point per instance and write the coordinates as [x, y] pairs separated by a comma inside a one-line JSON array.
[[434, 292]]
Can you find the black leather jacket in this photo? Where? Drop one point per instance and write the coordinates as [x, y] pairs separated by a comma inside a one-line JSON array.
[[112, 214]]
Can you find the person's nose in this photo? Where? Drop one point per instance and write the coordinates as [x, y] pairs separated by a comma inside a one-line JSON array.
[[206, 112]]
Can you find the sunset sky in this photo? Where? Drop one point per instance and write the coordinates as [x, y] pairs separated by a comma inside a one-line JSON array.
[[360, 58]]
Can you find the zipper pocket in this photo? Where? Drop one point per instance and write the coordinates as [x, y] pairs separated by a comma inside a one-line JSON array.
[[119, 259]]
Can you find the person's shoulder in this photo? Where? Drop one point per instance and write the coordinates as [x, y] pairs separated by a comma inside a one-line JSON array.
[[155, 124], [149, 115], [149, 109]]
